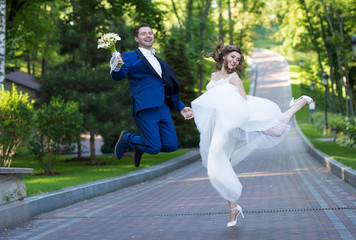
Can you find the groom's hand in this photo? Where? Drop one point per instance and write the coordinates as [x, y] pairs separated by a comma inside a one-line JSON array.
[[118, 56], [187, 113]]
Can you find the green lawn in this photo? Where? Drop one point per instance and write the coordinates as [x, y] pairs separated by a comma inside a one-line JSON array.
[[73, 173]]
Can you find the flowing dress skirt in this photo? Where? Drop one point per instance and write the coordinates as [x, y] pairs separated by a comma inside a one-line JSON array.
[[230, 129]]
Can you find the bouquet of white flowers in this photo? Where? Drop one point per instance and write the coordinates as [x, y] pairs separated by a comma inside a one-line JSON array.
[[108, 41]]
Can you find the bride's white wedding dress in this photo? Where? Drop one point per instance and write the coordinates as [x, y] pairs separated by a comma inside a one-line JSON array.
[[230, 129]]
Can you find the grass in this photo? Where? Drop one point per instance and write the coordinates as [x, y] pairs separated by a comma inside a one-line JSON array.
[[72, 173]]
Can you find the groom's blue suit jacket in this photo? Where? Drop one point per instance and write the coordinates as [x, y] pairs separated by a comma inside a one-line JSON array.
[[148, 89]]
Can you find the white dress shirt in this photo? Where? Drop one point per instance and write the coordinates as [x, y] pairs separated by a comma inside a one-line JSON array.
[[152, 60]]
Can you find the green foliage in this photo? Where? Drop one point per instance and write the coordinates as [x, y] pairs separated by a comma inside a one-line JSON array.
[[324, 29], [85, 78], [176, 57], [46, 33], [346, 129], [15, 123], [345, 155], [31, 35], [104, 103], [319, 119], [56, 125], [246, 15]]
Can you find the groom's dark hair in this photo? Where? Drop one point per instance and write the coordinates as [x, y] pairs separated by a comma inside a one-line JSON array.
[[136, 29]]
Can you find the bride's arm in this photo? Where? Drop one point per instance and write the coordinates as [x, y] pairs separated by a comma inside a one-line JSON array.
[[236, 81]]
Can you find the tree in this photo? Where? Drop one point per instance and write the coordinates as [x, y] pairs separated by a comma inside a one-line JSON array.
[[84, 76], [231, 29], [31, 35], [202, 30], [320, 26], [2, 41], [57, 125], [221, 28], [15, 123], [247, 15], [175, 54]]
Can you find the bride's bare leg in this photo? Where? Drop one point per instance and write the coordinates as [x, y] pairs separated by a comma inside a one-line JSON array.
[[234, 212], [294, 109], [278, 131]]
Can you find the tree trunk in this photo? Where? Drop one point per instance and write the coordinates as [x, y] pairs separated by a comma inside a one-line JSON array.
[[189, 20], [2, 42], [330, 62], [346, 67], [337, 56], [14, 9], [313, 37], [28, 62], [203, 19], [339, 92], [92, 149], [44, 65], [242, 24], [79, 146], [34, 58], [230, 22], [221, 30], [176, 13]]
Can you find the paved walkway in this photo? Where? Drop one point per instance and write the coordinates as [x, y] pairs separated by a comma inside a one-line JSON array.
[[287, 195]]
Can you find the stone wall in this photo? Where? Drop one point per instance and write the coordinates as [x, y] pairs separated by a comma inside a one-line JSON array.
[[13, 210]]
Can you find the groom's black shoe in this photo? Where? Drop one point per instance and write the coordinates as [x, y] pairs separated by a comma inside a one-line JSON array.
[[137, 157], [121, 145]]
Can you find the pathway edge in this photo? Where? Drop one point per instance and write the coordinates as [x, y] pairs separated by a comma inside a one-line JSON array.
[[347, 174]]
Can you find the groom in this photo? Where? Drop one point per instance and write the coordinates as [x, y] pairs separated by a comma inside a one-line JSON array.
[[154, 90]]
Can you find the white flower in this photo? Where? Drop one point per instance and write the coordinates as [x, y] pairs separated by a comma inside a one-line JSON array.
[[108, 41]]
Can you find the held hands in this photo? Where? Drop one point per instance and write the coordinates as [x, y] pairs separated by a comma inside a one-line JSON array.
[[187, 113]]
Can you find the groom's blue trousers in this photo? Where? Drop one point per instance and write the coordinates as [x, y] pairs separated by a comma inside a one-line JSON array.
[[156, 129]]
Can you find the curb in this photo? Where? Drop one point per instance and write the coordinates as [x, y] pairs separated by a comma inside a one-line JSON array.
[[22, 211], [347, 174]]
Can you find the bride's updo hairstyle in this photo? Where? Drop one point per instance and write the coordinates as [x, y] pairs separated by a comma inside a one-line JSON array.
[[220, 51]]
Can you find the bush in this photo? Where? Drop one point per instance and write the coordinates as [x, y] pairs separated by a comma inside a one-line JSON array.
[[15, 123], [345, 127], [104, 103], [57, 125]]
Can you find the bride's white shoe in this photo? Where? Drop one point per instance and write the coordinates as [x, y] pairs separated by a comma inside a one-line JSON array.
[[233, 223], [294, 102]]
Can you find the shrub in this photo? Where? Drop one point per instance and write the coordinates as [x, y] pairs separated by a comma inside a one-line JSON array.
[[57, 125], [349, 138], [345, 127], [15, 123]]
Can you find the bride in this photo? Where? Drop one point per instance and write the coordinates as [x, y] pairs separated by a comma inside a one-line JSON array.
[[232, 125]]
